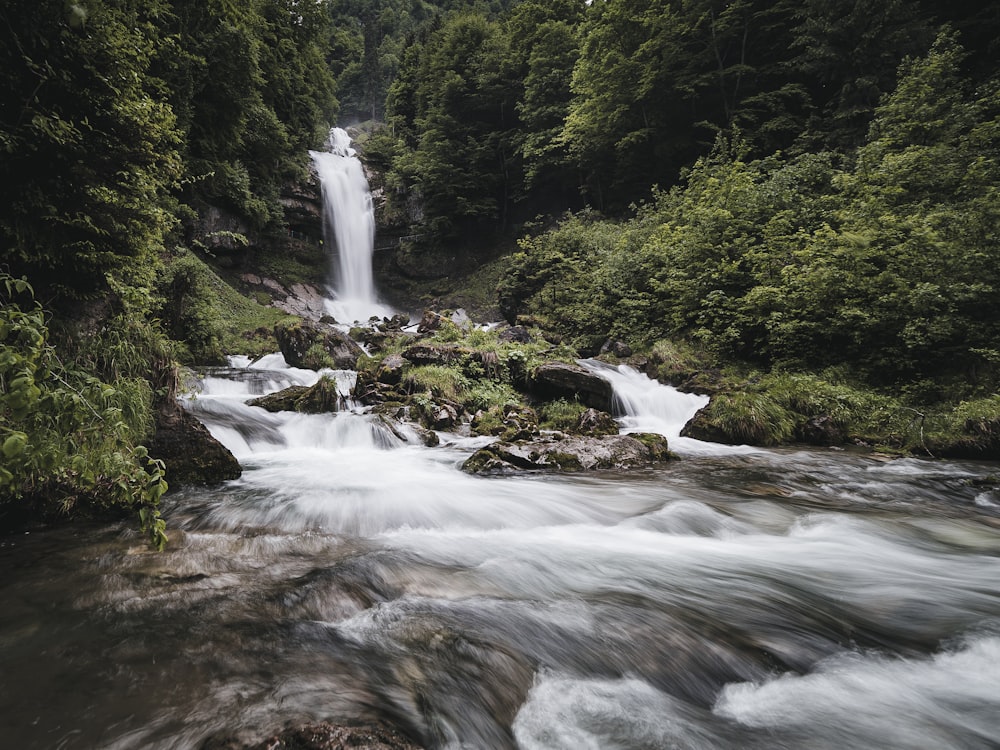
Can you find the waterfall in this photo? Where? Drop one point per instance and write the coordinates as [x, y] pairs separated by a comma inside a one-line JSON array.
[[349, 228], [646, 405]]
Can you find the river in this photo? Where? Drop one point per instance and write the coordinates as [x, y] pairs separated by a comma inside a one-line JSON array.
[[738, 598]]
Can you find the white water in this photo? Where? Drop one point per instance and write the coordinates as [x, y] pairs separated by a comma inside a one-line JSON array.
[[732, 601], [349, 220], [649, 406]]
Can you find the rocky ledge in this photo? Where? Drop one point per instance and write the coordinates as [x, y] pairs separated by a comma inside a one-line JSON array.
[[558, 452]]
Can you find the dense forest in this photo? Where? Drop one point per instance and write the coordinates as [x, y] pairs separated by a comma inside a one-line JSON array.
[[763, 189]]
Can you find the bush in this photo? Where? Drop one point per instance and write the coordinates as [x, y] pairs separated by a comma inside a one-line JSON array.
[[560, 414], [67, 438]]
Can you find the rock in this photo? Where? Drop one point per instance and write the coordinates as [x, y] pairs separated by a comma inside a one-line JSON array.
[[594, 422], [515, 335], [319, 398], [322, 736], [552, 380], [314, 346], [435, 354], [430, 322], [512, 422], [283, 400], [703, 427], [188, 450], [570, 454], [442, 416], [821, 430], [390, 369], [396, 323], [616, 348]]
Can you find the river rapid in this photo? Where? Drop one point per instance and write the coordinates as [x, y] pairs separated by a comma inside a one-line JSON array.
[[738, 598]]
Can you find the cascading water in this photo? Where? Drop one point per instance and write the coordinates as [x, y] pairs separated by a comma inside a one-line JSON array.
[[649, 406], [349, 221]]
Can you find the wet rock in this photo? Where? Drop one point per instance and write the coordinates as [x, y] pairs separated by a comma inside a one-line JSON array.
[[321, 398], [552, 380], [442, 416], [594, 422], [390, 369], [559, 453], [314, 346], [283, 400], [322, 736], [702, 426], [188, 450]]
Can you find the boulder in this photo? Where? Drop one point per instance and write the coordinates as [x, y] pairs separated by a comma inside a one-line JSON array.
[[323, 397], [821, 430], [390, 369], [552, 380], [188, 450], [284, 400], [560, 453], [430, 322], [594, 422], [702, 426], [314, 346], [616, 348]]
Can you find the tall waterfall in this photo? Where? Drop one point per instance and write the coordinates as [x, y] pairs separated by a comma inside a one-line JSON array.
[[349, 227]]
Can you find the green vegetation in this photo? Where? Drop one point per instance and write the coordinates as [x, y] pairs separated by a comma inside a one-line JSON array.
[[207, 317], [883, 266], [127, 128], [69, 441]]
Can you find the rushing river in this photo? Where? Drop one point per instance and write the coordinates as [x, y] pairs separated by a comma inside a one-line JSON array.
[[735, 599]]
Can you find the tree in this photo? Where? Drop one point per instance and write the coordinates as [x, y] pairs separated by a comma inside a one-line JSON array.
[[89, 153]]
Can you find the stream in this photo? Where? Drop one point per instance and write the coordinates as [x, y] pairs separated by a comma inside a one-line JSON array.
[[738, 598]]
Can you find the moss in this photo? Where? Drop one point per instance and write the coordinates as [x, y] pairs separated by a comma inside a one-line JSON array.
[[564, 461], [659, 448], [208, 316], [317, 358]]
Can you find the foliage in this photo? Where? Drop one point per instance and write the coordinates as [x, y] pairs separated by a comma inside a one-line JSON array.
[[67, 437], [89, 152], [883, 264], [752, 418], [209, 317], [560, 414]]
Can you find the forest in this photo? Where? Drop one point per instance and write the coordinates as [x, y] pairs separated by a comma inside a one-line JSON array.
[[781, 201]]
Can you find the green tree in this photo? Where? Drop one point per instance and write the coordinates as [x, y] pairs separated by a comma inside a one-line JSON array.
[[88, 152]]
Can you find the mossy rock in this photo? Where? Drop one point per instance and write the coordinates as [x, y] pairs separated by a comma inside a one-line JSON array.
[[320, 398], [315, 346], [283, 400], [570, 453]]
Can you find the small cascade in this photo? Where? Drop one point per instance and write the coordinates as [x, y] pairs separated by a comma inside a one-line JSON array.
[[646, 405], [349, 220], [221, 404]]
